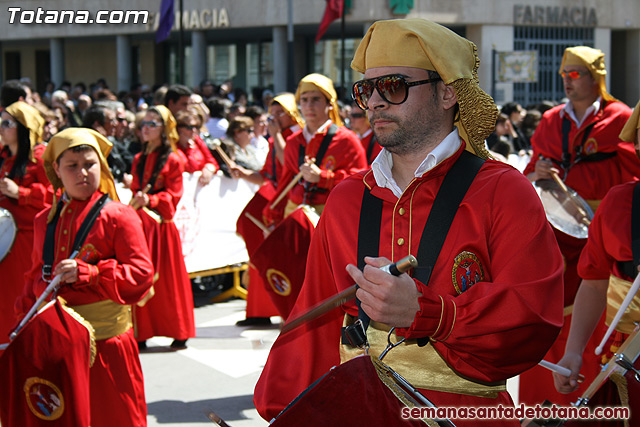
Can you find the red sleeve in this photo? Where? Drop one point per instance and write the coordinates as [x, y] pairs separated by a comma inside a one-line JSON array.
[[166, 200], [208, 157], [520, 303], [127, 276], [36, 191]]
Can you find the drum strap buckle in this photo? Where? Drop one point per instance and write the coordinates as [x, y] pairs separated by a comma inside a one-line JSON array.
[[355, 335], [46, 273]]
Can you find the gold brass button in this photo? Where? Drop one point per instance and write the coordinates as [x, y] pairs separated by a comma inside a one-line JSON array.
[[401, 211], [401, 241]]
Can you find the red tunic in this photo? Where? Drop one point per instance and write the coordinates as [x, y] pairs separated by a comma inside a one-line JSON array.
[[113, 264], [196, 156], [496, 329], [344, 157], [170, 312], [35, 195], [591, 180]]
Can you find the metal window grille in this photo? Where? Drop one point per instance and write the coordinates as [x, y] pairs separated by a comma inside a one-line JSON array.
[[550, 42]]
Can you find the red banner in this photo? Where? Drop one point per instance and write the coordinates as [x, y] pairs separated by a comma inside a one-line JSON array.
[[332, 11]]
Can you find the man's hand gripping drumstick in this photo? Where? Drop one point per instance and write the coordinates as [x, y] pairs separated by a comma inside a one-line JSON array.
[[385, 298]]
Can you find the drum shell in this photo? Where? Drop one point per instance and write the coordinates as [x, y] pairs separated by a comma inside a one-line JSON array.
[[350, 394]]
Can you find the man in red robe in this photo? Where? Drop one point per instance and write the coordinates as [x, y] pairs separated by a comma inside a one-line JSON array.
[[491, 306], [594, 160]]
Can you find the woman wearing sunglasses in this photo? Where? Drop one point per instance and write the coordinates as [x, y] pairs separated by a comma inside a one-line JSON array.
[[194, 152], [157, 188], [24, 191]]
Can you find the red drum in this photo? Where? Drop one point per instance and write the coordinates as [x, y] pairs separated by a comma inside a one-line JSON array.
[[349, 394], [44, 372], [282, 258], [251, 233]]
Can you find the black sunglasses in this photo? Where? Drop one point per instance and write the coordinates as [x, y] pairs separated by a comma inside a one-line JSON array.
[[393, 88]]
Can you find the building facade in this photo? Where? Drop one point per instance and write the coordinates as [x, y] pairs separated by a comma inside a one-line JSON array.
[[262, 44]]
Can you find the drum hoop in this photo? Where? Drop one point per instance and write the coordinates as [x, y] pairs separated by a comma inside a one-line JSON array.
[[545, 186], [630, 348], [4, 213]]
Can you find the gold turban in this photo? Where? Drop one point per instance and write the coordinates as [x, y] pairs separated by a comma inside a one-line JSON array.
[[591, 58], [324, 85], [30, 118], [72, 137], [288, 102], [170, 125], [424, 44], [630, 129]]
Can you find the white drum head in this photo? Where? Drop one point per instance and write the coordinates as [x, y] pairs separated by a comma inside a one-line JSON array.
[[567, 212], [8, 230]]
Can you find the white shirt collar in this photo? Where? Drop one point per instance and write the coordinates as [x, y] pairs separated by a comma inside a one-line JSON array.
[[570, 111], [366, 134], [308, 136], [383, 163]]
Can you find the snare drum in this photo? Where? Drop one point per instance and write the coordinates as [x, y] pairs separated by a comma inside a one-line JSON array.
[[8, 231], [565, 210], [353, 394]]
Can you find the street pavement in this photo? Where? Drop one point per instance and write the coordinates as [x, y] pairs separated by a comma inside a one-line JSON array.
[[217, 372]]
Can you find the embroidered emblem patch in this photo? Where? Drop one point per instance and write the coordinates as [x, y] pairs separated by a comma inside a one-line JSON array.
[[89, 254], [280, 283], [43, 398], [329, 163], [467, 271], [591, 146]]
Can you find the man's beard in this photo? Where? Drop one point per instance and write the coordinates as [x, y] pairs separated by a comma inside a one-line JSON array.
[[409, 136]]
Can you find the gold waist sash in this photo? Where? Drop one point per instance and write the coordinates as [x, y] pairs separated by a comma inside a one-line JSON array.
[[423, 367], [617, 291], [108, 318]]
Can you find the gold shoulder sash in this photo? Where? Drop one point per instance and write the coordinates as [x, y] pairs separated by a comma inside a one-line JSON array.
[[617, 291], [423, 367], [108, 318]]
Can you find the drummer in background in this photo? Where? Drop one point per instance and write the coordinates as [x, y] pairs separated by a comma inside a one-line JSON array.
[[157, 188], [194, 152], [24, 191], [594, 161], [361, 126], [464, 338], [112, 270], [284, 120], [343, 157], [607, 268]]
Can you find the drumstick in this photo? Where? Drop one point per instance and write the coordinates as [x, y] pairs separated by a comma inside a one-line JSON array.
[[230, 163], [133, 203], [32, 311], [621, 310], [397, 268], [257, 223], [566, 372], [565, 189], [284, 192]]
